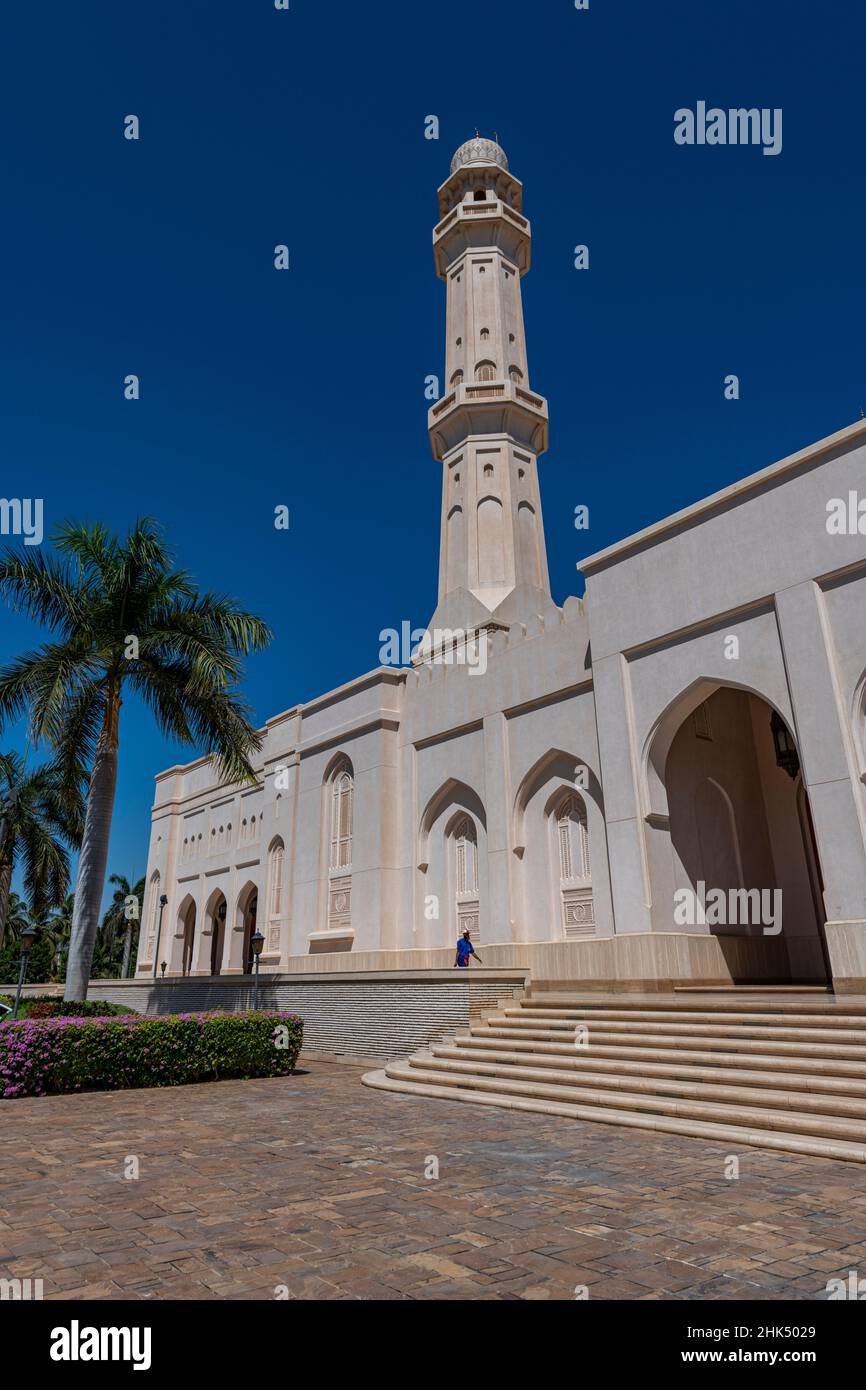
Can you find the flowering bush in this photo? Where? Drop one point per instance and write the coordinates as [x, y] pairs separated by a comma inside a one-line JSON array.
[[57, 1055]]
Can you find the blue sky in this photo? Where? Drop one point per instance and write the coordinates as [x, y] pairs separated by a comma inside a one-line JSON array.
[[306, 388]]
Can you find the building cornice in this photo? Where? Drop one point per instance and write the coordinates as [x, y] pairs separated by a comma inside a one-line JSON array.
[[736, 492]]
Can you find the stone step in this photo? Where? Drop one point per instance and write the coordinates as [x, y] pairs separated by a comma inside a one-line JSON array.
[[584, 1014], [441, 1058], [824, 1005], [610, 1035], [730, 1135], [699, 1056], [792, 1121], [804, 1083], [784, 1032]]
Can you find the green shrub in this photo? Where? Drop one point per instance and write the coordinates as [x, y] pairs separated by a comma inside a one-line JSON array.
[[58, 1055], [49, 1006]]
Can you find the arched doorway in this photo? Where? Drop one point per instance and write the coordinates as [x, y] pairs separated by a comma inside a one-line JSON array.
[[739, 832], [250, 913], [216, 923], [186, 930]]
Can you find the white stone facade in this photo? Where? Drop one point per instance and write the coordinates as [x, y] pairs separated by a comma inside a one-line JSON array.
[[551, 775]]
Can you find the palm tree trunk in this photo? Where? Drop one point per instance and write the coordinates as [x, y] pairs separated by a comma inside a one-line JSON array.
[[127, 950], [93, 860], [5, 885]]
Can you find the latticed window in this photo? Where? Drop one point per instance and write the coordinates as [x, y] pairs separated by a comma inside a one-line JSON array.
[[516, 374], [466, 852], [457, 379], [154, 909], [573, 840], [341, 821], [275, 879], [485, 371]]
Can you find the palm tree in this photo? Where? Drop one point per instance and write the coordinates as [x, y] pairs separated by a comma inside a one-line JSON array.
[[116, 920], [123, 617], [43, 814], [17, 917]]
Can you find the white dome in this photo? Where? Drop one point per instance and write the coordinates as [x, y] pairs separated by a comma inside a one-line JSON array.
[[479, 151]]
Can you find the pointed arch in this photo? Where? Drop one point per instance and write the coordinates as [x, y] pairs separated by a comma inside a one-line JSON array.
[[245, 923], [337, 841], [451, 792], [215, 918], [153, 889], [570, 771], [185, 933], [276, 866], [657, 744]]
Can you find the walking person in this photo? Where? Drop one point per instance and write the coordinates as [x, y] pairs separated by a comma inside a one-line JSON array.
[[465, 949]]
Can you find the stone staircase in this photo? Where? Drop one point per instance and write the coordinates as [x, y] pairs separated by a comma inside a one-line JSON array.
[[778, 1070]]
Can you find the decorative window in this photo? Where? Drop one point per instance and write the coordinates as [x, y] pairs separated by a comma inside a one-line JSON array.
[[515, 374], [466, 857], [485, 334], [480, 195], [275, 879], [457, 379], [573, 840], [154, 913], [488, 470], [342, 792], [485, 371]]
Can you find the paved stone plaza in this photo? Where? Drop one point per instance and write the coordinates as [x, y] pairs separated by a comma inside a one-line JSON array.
[[317, 1183]]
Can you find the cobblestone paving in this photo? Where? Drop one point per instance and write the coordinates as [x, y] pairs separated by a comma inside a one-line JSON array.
[[318, 1184]]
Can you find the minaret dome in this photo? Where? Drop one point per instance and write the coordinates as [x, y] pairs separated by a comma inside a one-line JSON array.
[[479, 151]]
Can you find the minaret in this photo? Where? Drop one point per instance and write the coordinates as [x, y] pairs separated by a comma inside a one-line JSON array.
[[489, 427]]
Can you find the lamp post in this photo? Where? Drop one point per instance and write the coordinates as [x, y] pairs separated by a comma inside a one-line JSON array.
[[785, 747], [257, 941], [162, 902], [28, 936]]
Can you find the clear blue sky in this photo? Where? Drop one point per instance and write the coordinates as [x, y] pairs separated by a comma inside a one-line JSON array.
[[307, 388]]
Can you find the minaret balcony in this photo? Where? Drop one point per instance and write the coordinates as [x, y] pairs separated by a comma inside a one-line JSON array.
[[476, 226], [488, 407]]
